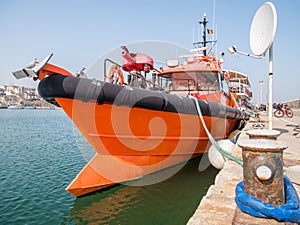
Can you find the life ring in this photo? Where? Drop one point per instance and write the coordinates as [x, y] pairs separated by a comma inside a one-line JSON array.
[[110, 76]]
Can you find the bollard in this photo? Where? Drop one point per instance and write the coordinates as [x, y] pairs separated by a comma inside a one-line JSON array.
[[263, 134], [263, 172], [263, 169]]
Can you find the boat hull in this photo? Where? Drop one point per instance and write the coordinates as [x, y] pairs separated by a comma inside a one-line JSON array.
[[132, 142], [136, 133]]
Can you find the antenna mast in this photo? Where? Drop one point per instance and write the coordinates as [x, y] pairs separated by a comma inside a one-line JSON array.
[[203, 43], [204, 22]]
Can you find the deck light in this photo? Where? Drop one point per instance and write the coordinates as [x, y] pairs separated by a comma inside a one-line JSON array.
[[233, 50]]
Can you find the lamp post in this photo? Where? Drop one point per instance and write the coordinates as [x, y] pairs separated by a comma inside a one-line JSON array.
[[270, 112], [261, 91], [233, 50]]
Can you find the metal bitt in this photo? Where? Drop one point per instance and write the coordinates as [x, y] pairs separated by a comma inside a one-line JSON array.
[[263, 134], [263, 171]]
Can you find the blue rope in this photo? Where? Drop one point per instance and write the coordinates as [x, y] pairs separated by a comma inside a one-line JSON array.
[[288, 212]]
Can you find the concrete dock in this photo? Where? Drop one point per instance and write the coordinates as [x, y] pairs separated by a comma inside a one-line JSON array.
[[218, 205]]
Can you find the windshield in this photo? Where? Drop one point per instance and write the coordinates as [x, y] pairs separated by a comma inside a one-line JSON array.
[[199, 82]]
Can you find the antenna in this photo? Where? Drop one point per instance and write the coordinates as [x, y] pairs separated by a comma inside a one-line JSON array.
[[262, 34], [203, 43], [193, 35], [214, 20]]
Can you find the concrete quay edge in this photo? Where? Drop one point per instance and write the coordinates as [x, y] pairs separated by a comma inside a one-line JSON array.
[[218, 205]]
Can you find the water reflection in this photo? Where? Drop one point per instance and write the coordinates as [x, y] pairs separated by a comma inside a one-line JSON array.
[[172, 201]]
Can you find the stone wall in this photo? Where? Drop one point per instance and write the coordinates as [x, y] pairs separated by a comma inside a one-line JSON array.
[[293, 103]]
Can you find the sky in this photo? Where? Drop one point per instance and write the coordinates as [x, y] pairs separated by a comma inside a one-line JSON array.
[[78, 32]]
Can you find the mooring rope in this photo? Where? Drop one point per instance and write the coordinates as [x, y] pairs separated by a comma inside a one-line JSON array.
[[212, 140]]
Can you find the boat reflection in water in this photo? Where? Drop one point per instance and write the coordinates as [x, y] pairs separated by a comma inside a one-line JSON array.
[[172, 201]]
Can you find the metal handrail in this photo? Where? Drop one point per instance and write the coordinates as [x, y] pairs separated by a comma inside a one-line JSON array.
[[107, 59]]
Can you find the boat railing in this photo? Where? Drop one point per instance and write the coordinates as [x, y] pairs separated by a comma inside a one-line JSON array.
[[201, 44], [241, 90], [111, 61]]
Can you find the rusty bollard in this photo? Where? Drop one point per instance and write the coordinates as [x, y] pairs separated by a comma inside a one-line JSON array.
[[263, 172], [263, 134]]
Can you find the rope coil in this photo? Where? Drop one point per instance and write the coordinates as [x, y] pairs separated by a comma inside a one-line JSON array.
[[288, 212]]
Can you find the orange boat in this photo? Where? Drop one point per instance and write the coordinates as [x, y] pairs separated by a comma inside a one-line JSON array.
[[146, 125]]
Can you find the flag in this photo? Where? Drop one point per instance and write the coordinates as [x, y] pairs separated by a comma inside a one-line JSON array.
[[210, 31]]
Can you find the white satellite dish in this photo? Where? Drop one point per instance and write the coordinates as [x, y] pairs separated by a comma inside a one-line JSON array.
[[263, 29]]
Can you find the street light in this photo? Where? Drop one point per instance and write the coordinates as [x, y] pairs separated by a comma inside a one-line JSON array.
[[261, 91], [262, 34]]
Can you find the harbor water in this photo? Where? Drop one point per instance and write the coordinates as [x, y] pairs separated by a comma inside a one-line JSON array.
[[40, 157]]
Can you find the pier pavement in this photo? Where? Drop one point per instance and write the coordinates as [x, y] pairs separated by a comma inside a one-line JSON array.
[[218, 205]]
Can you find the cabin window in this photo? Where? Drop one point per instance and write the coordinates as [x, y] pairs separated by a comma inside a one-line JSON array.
[[191, 82], [224, 84]]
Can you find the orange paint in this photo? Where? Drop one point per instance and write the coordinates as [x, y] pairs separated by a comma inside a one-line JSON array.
[[50, 69], [142, 141]]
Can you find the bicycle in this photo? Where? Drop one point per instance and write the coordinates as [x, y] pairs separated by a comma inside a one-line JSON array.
[[283, 110]]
